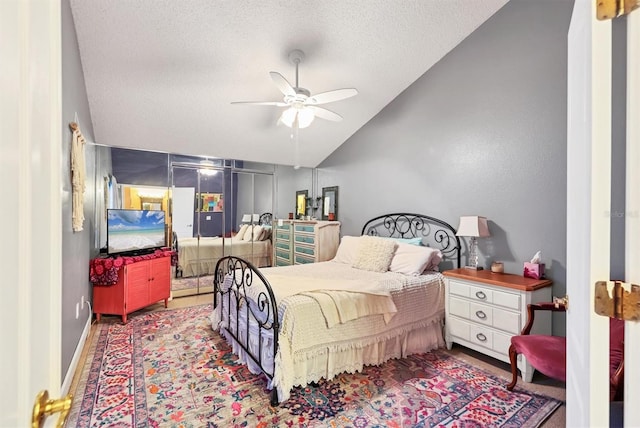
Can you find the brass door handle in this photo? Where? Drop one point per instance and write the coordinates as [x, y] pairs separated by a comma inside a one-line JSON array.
[[44, 407]]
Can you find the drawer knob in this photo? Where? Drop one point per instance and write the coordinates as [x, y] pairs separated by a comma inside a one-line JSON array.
[[481, 315], [481, 337], [481, 295]]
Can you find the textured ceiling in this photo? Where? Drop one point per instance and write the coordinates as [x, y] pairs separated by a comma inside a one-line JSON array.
[[161, 74]]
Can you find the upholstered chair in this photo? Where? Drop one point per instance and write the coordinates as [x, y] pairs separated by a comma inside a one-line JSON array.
[[548, 355]]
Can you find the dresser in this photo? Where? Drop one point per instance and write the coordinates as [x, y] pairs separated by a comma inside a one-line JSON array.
[[484, 309], [304, 241]]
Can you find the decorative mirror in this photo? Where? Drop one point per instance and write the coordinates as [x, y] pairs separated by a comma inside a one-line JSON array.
[[330, 203], [301, 203]]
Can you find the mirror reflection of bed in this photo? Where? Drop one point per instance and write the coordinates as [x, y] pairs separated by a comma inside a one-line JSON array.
[[198, 256]]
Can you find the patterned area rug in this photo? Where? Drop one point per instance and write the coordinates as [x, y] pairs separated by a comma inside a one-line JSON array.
[[170, 369], [192, 282]]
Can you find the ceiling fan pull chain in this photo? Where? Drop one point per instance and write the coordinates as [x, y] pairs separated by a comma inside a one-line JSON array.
[[295, 136]]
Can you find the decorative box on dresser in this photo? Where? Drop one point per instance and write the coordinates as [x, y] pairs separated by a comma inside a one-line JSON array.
[[484, 309], [305, 241], [139, 284]]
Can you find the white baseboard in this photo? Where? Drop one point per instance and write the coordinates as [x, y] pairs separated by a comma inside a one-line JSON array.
[[68, 378]]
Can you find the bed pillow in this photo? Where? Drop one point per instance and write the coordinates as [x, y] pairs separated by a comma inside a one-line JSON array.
[[414, 260], [266, 233], [375, 254], [241, 232], [348, 250], [258, 231], [410, 241], [248, 235]]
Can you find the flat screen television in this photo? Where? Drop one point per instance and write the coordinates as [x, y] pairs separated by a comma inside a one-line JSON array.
[[135, 231]]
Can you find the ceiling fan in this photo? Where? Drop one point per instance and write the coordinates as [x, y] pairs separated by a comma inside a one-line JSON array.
[[302, 106]]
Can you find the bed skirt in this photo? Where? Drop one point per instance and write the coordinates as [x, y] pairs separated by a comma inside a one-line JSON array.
[[332, 359]]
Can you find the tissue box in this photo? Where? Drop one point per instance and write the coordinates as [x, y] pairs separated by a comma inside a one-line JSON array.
[[533, 270]]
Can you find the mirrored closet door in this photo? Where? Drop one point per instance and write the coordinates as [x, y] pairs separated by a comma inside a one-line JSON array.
[[218, 209], [198, 197]]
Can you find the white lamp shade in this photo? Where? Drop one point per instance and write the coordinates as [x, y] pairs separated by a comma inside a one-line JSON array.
[[246, 218], [256, 218], [472, 225]]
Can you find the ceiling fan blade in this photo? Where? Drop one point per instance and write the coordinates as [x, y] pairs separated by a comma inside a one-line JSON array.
[[282, 83], [323, 113], [262, 103], [331, 96]]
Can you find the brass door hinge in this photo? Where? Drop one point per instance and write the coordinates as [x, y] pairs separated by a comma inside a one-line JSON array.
[[616, 299], [610, 9]]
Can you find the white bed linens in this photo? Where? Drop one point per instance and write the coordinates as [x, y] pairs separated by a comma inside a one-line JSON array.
[[340, 300], [200, 259], [309, 350]]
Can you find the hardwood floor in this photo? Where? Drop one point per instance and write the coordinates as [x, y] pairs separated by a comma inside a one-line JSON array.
[[541, 384]]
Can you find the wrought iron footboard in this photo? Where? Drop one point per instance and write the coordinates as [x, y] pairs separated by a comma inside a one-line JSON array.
[[241, 290]]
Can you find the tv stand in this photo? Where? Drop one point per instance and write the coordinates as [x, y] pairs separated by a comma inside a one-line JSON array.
[[139, 284]]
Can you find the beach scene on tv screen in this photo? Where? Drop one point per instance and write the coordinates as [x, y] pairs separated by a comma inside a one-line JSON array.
[[131, 230]]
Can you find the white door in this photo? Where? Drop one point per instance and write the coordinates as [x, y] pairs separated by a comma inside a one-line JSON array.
[[182, 211], [30, 177], [588, 220]]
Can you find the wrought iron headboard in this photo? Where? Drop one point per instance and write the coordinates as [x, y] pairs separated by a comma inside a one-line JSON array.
[[434, 232], [265, 218]]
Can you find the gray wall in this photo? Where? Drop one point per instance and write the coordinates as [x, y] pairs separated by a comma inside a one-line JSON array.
[[77, 247], [288, 181], [481, 133]]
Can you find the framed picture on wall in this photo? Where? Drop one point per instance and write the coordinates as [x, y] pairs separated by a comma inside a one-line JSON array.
[[210, 202]]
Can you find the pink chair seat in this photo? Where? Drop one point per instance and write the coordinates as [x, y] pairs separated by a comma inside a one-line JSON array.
[[546, 353]]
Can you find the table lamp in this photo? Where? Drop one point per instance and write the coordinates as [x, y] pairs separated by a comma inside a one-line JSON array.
[[474, 227]]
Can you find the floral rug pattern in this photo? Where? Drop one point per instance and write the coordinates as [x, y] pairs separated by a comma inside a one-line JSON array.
[[170, 369]]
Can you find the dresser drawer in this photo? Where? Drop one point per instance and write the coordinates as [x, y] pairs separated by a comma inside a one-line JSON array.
[[485, 294], [481, 314], [283, 245], [310, 228], [283, 254], [479, 335], [305, 239], [282, 262], [308, 251], [301, 259], [283, 236]]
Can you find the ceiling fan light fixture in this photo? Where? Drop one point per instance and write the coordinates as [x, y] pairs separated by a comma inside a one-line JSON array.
[[305, 117]]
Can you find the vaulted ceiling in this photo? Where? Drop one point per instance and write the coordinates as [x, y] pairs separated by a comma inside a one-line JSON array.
[[162, 74]]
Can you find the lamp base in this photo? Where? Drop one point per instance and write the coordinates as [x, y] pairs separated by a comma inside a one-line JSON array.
[[474, 267]]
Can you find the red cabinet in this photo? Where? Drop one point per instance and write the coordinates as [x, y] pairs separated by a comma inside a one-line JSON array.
[[139, 284]]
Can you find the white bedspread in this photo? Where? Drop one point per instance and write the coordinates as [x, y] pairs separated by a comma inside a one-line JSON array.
[[310, 349], [340, 300]]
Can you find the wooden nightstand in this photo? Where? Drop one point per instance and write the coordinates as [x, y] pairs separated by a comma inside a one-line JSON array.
[[484, 309]]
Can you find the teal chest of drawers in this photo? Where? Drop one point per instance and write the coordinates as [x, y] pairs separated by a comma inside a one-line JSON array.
[[300, 242]]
